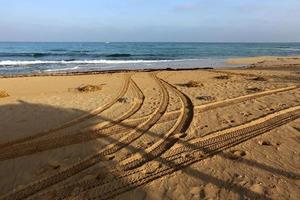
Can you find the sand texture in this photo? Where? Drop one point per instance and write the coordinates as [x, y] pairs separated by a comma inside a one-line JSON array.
[[192, 134], [268, 62]]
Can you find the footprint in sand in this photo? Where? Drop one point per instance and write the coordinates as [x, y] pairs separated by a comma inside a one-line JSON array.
[[197, 192], [236, 154], [265, 143], [246, 114], [123, 100], [253, 89], [205, 98], [3, 94], [258, 188], [203, 127]]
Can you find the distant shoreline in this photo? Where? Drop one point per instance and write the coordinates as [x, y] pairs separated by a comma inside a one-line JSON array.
[[102, 72], [260, 62], [36, 58]]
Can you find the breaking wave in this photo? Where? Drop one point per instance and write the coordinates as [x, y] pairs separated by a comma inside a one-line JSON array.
[[41, 62]]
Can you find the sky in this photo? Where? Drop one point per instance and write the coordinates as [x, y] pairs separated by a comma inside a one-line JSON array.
[[150, 20]]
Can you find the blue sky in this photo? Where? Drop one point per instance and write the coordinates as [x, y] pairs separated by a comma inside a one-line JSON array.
[[150, 20]]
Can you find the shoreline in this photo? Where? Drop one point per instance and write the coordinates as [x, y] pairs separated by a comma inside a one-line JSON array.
[[104, 72], [259, 62]]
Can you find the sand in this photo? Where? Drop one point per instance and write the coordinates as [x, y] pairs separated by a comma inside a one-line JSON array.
[[267, 62], [192, 134]]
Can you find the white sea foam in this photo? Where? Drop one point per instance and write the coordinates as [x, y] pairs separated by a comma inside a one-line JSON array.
[[40, 62], [288, 49], [62, 69]]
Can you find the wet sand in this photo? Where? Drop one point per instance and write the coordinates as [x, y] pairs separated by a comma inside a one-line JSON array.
[[168, 134]]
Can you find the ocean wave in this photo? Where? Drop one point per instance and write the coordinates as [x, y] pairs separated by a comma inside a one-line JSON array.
[[283, 47], [40, 62], [61, 53], [62, 69], [42, 54], [57, 50], [30, 54], [119, 55], [80, 51], [287, 49]]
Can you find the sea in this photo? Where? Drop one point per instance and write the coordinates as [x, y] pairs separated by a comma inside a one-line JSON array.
[[59, 57]]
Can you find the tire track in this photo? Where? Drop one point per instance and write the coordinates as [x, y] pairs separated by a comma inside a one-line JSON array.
[[145, 126], [92, 160], [226, 102], [176, 159], [232, 73], [138, 102], [205, 107], [122, 175], [89, 184], [290, 78], [81, 118], [197, 151], [163, 144], [81, 137]]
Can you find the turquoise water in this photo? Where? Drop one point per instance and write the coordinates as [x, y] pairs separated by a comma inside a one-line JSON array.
[[22, 58]]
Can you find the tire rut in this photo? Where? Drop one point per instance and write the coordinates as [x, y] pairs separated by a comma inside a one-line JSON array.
[[92, 160], [185, 156], [79, 119], [163, 144], [29, 148], [205, 107]]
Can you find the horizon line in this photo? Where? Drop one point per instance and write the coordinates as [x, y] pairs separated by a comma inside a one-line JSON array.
[[16, 41]]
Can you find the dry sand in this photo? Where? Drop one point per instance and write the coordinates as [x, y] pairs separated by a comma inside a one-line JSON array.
[[193, 134], [268, 62]]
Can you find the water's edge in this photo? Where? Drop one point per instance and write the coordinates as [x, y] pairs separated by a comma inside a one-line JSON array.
[[39, 58]]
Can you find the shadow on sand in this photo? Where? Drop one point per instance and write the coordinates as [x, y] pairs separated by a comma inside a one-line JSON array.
[[37, 117]]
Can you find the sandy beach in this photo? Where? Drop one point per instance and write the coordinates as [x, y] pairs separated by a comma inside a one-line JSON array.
[[229, 133]]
